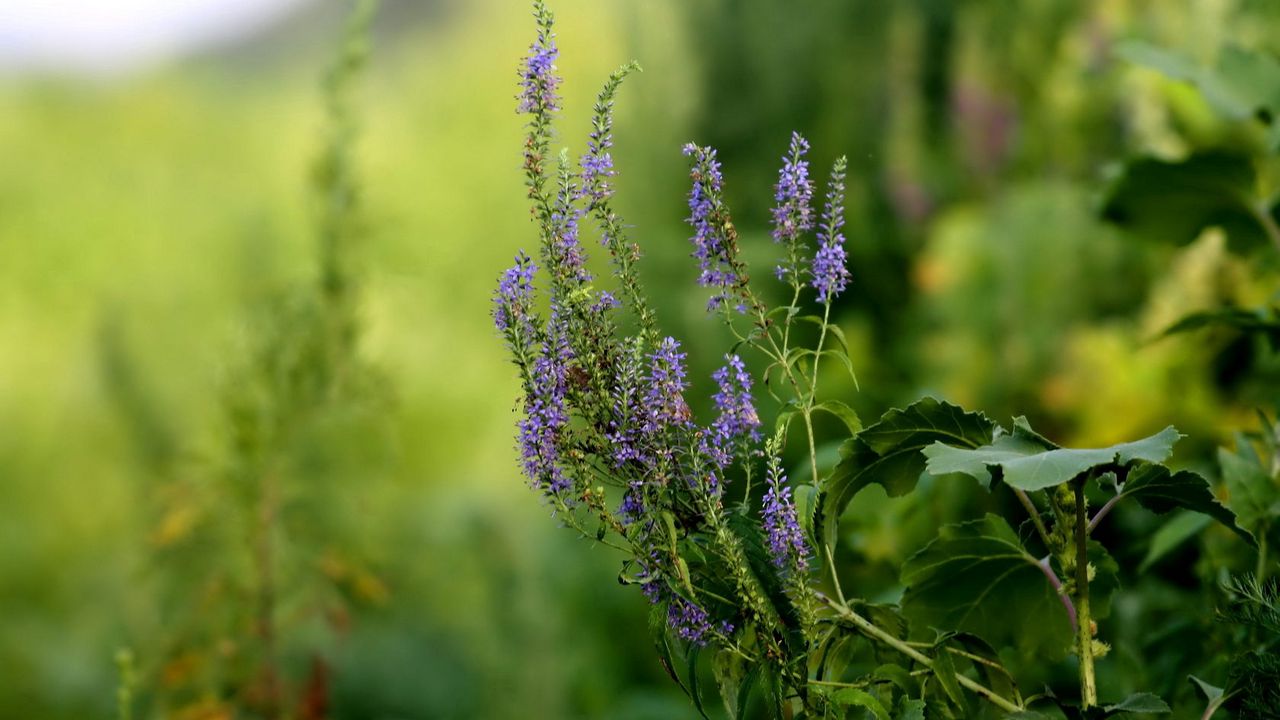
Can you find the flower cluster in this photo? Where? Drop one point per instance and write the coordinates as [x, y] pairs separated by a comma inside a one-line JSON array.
[[787, 547], [793, 195], [546, 413], [538, 79], [714, 245], [830, 276], [513, 304], [737, 420]]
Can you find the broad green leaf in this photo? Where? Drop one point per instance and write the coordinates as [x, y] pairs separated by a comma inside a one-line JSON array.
[[1252, 496], [888, 453], [1139, 703], [853, 697], [1241, 84], [976, 577], [944, 669], [1174, 201], [1179, 529], [1160, 490], [1024, 463]]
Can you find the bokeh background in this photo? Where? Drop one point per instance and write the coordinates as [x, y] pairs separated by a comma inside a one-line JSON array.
[[156, 202]]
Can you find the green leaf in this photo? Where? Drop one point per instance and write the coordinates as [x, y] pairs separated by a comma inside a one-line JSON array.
[[1160, 490], [1241, 84], [1174, 201], [730, 670], [909, 709], [1024, 463], [1179, 529], [853, 697], [1262, 321], [888, 453], [1139, 703], [944, 669], [1251, 494], [843, 413], [658, 631], [976, 577], [1211, 693], [691, 666]]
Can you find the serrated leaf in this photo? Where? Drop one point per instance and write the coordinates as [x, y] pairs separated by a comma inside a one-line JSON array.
[[1024, 463], [888, 453], [1179, 529], [1175, 201], [976, 577], [1160, 490], [1140, 703], [853, 697]]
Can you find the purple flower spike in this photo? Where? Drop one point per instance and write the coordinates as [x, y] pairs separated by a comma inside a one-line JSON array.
[[737, 418], [786, 540], [665, 405], [538, 79], [710, 245], [688, 620], [546, 413], [513, 301], [792, 213], [830, 276]]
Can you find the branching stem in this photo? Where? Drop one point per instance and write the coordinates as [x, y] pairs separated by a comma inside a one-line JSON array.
[[876, 632]]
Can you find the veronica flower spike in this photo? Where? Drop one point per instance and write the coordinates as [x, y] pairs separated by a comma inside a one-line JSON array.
[[830, 276]]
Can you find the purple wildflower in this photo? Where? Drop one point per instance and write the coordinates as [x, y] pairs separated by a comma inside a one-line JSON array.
[[513, 301], [792, 211], [711, 245], [597, 168], [568, 259], [665, 406], [786, 541], [625, 432], [688, 619], [737, 415], [538, 79], [546, 413], [830, 276]]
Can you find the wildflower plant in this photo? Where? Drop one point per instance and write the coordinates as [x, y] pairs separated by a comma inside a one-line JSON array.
[[709, 523]]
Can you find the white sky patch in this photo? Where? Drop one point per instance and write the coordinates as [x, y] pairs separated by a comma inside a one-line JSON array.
[[112, 36]]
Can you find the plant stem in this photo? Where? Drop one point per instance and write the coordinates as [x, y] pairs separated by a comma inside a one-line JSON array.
[[1057, 586], [874, 631], [1084, 626], [1035, 517], [1102, 512]]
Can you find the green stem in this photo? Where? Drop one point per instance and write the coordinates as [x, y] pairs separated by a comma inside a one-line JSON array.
[[1084, 627], [1035, 516], [874, 631]]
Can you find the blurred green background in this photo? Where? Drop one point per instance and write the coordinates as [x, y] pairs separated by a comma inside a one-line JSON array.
[[147, 218]]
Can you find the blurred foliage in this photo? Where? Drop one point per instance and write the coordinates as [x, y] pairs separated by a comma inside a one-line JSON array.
[[153, 228]]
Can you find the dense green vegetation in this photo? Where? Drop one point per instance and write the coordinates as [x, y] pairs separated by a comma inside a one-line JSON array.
[[160, 257]]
